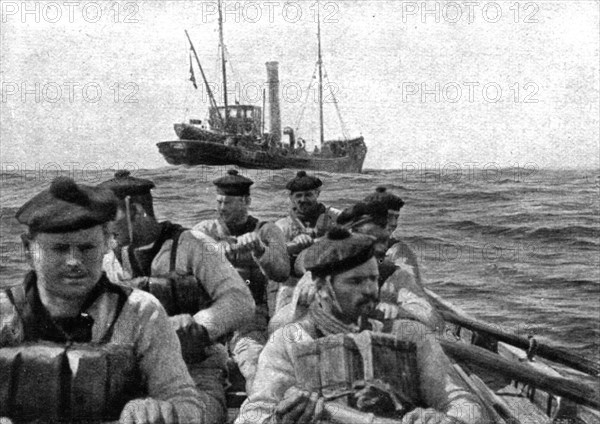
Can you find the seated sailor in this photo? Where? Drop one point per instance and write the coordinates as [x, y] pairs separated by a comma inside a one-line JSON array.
[[404, 287], [307, 219], [73, 345], [258, 252], [401, 288], [346, 275], [187, 271]]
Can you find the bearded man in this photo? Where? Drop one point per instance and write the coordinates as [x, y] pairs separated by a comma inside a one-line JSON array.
[[346, 274], [400, 286]]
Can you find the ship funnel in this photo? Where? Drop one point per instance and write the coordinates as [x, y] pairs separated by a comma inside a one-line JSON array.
[[274, 113]]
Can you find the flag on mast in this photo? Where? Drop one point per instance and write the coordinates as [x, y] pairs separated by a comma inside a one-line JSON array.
[[192, 76]]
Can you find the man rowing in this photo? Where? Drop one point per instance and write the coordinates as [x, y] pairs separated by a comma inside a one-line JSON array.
[[76, 346], [401, 289], [201, 291], [346, 275], [258, 252], [307, 219]]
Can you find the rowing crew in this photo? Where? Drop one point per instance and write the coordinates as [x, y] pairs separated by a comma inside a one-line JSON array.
[[125, 317]]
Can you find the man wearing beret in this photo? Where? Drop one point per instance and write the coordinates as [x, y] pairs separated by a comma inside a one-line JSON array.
[[393, 203], [405, 287], [67, 310], [346, 272], [201, 291], [401, 290], [307, 219], [258, 252]]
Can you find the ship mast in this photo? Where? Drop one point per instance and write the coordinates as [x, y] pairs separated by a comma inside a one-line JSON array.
[[213, 102], [320, 64], [223, 66]]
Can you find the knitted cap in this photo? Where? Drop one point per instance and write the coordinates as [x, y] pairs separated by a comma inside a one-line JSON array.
[[375, 211], [233, 184], [339, 251], [67, 206], [123, 184], [381, 194], [303, 182]]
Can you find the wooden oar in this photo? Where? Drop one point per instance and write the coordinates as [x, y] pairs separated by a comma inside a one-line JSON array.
[[562, 356], [493, 405], [583, 392]]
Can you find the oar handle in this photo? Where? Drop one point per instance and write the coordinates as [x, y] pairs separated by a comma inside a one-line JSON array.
[[340, 414]]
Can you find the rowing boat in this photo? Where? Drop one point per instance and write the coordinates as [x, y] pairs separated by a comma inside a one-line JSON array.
[[556, 387]]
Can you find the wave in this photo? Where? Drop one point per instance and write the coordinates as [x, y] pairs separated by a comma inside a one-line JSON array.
[[473, 226], [577, 285], [569, 233], [478, 196], [585, 245], [565, 233]]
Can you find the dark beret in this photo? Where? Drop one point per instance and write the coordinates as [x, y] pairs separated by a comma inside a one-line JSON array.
[[303, 182], [123, 184], [375, 211], [66, 206], [337, 252], [233, 184], [392, 201]]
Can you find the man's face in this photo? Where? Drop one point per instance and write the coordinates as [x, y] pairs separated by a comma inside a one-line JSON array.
[[356, 290], [392, 220], [68, 265], [232, 209], [305, 201], [381, 234], [119, 228]]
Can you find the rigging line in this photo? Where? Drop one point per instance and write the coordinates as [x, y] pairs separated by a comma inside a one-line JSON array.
[[337, 108], [217, 66], [310, 83], [235, 75]]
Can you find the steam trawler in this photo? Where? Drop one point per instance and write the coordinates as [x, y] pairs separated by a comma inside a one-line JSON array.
[[235, 134]]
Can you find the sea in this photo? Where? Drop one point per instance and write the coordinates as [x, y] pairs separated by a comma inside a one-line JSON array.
[[517, 247]]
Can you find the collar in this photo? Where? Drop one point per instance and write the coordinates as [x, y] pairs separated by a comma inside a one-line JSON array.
[[309, 220], [60, 330], [321, 311], [246, 227]]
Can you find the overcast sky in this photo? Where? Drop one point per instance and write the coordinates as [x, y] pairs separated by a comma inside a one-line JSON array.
[[502, 82]]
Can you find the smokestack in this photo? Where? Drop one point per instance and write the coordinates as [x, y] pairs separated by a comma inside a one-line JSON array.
[[274, 114]]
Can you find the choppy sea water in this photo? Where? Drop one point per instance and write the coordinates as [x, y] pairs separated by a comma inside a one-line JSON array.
[[515, 247]]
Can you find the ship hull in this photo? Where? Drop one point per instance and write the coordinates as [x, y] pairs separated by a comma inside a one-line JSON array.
[[202, 152]]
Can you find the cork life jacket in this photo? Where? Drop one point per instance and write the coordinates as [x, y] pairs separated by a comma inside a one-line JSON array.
[[245, 264], [337, 359], [178, 293], [51, 374]]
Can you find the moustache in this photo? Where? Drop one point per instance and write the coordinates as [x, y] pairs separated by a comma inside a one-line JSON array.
[[75, 274], [368, 299]]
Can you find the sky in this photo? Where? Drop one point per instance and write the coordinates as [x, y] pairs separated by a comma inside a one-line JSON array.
[[98, 83]]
